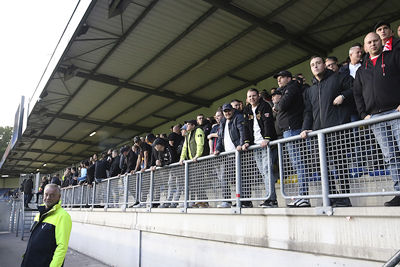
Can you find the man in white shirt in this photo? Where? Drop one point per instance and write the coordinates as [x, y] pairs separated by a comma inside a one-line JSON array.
[[259, 129], [230, 138]]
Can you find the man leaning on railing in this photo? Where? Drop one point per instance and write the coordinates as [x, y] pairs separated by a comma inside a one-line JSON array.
[[259, 129], [377, 92], [230, 138]]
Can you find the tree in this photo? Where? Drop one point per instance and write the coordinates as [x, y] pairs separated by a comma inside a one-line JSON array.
[[5, 138]]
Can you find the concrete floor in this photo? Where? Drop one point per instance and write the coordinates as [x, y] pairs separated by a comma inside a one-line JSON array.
[[12, 248]]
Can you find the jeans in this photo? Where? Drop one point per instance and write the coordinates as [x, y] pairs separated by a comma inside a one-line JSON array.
[[296, 160], [265, 167], [173, 187], [387, 134]]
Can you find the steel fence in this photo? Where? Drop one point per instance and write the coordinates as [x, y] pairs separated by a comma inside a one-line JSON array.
[[354, 159]]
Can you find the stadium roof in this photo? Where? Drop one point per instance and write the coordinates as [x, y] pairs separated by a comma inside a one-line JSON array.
[[132, 66]]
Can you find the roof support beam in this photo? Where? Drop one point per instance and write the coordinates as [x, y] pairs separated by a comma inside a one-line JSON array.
[[126, 84], [274, 28], [100, 123]]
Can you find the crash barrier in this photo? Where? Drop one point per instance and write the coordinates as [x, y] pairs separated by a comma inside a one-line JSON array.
[[354, 159]]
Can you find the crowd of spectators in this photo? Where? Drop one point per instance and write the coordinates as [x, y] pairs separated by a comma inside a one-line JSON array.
[[339, 93]]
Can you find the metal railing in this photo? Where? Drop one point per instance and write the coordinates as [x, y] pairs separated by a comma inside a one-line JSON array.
[[341, 161]]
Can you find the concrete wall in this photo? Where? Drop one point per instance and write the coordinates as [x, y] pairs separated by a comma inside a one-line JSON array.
[[215, 237]]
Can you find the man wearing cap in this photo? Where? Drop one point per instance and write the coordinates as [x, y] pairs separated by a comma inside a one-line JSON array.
[[144, 155], [259, 129], [230, 138], [290, 119], [164, 155], [384, 31], [324, 107], [376, 92], [193, 148]]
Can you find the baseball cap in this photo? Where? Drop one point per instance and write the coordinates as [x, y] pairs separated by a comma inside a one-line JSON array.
[[227, 106], [277, 92], [184, 127], [194, 122], [283, 73]]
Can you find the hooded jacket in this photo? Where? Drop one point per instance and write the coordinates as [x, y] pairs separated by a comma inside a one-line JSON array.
[[377, 88], [49, 238], [290, 107], [236, 131], [319, 111], [265, 120]]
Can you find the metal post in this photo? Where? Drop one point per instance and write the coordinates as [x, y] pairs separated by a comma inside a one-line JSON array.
[[238, 177], [81, 196], [280, 163], [63, 196], [73, 197], [393, 261], [269, 175], [151, 190], [138, 187], [324, 175], [107, 195], [18, 219], [185, 203], [126, 186], [23, 222], [93, 195]]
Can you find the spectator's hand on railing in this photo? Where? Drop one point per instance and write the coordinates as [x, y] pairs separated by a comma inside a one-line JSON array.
[[245, 146], [158, 163], [181, 162], [338, 100], [143, 169], [195, 159], [239, 148], [304, 133], [367, 117], [264, 143], [153, 168], [398, 108], [216, 153]]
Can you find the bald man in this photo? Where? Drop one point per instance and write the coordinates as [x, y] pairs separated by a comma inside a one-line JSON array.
[[50, 232], [377, 92]]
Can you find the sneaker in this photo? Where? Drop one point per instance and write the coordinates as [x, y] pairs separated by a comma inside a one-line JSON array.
[[224, 205], [394, 202], [201, 205], [164, 205], [246, 204], [139, 205], [269, 204], [341, 202], [299, 203]]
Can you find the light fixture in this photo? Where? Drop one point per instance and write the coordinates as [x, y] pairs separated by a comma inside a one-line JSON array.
[[92, 134], [44, 165], [37, 170], [4, 176]]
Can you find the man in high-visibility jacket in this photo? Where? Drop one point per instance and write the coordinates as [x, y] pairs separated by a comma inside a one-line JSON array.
[[50, 232]]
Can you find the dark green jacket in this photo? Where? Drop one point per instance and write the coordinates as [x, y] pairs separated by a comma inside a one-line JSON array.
[[49, 238]]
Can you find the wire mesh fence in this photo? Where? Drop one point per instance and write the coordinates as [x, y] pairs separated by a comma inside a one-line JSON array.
[[357, 159], [300, 168]]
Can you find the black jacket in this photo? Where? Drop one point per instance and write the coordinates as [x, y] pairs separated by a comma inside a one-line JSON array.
[[168, 156], [90, 173], [101, 167], [265, 120], [131, 161], [319, 111], [377, 88], [114, 166], [236, 131], [28, 186], [291, 107]]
